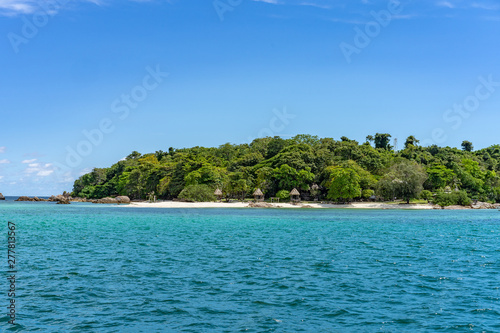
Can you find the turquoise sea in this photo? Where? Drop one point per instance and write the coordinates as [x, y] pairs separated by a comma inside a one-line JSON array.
[[100, 268]]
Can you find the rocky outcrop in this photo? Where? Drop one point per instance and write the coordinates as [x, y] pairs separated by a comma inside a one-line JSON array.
[[24, 198], [477, 205], [2, 197], [123, 199], [64, 201], [483, 205], [78, 199], [60, 199], [56, 198], [260, 205], [456, 207], [306, 206], [109, 200]]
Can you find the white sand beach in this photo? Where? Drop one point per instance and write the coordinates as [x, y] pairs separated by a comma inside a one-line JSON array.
[[356, 205]]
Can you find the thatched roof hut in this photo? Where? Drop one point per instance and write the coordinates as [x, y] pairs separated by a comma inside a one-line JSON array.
[[258, 195], [294, 195], [218, 193]]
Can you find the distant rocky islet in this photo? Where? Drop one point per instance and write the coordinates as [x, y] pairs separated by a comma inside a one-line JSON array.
[[67, 199]]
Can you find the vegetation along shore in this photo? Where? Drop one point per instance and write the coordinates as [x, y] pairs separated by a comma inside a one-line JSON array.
[[320, 169]]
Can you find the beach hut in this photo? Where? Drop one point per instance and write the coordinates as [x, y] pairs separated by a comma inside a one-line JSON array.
[[294, 195], [218, 194], [258, 195]]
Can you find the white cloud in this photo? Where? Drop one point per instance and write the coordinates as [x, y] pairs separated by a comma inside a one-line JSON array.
[[29, 161], [19, 7], [446, 4], [67, 178], [39, 169], [45, 173], [273, 2], [315, 5], [2, 149], [23, 7], [85, 171], [485, 6], [4, 161], [490, 6]]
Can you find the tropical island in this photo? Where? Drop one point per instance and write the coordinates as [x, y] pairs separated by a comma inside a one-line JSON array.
[[320, 169]]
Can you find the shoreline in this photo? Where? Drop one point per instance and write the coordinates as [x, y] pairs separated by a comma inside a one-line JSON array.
[[356, 205]]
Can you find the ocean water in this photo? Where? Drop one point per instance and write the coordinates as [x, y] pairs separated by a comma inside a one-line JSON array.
[[99, 268]]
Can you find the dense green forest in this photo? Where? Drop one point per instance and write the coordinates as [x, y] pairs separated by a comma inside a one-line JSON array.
[[320, 168]]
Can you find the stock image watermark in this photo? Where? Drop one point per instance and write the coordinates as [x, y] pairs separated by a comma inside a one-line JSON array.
[[11, 272], [121, 107], [456, 115], [223, 6], [277, 124], [32, 24], [364, 36]]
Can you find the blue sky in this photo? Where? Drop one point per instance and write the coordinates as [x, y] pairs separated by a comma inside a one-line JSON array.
[[149, 75]]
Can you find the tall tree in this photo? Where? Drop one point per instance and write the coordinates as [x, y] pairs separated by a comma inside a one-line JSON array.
[[467, 145], [134, 155], [344, 184], [382, 141], [370, 138], [411, 141], [404, 180]]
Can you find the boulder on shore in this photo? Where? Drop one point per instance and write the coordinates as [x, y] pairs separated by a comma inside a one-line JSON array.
[[24, 198], [2, 197], [78, 199], [60, 199], [56, 198], [260, 205], [123, 199], [109, 200], [456, 207], [64, 201], [483, 205]]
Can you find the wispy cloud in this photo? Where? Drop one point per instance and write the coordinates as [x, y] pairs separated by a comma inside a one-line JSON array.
[[446, 4], [4, 161], [347, 20], [29, 161], [490, 6], [87, 170], [2, 149], [40, 169], [311, 4], [273, 2], [23, 7], [485, 6], [18, 6]]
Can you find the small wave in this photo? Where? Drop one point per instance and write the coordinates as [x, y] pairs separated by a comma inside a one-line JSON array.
[[339, 312]]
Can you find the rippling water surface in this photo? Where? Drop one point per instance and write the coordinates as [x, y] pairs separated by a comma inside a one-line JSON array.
[[89, 268]]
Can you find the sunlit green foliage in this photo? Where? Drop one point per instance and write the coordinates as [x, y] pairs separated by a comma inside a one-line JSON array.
[[200, 193], [345, 169]]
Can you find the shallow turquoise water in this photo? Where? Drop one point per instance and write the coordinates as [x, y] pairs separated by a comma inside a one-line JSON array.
[[90, 268]]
